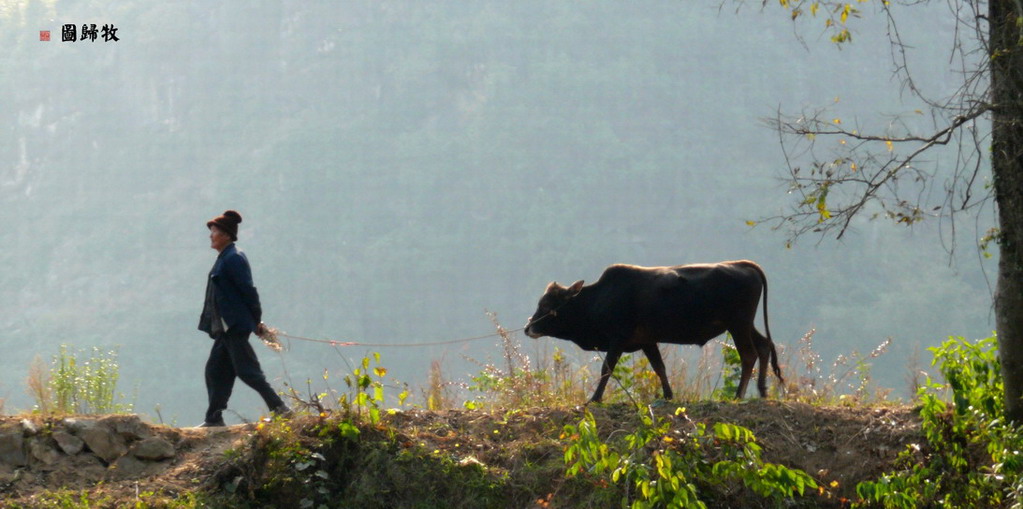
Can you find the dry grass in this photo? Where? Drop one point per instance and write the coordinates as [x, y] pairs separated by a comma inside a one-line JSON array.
[[846, 380], [38, 385], [438, 393], [519, 383], [555, 378]]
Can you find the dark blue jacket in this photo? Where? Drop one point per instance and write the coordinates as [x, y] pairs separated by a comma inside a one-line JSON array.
[[236, 298]]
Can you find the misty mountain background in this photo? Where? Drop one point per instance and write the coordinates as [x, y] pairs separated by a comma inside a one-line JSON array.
[[404, 166]]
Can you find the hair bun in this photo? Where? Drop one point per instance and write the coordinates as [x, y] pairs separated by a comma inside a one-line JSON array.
[[233, 214]]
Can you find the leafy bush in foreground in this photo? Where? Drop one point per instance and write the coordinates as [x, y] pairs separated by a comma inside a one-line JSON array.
[[671, 461], [972, 457]]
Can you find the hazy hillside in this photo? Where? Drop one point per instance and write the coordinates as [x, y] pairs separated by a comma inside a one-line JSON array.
[[403, 166]]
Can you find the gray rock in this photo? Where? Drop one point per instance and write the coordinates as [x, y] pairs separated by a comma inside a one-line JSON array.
[[153, 449], [76, 426], [7, 474], [43, 452], [12, 448], [104, 442], [84, 466], [129, 467], [128, 426], [29, 427], [70, 444]]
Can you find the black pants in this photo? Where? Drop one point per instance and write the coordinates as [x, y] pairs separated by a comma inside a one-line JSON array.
[[232, 356]]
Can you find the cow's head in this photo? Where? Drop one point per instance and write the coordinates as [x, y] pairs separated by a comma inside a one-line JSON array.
[[545, 321]]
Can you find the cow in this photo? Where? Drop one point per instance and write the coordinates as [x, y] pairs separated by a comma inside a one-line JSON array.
[[634, 308]]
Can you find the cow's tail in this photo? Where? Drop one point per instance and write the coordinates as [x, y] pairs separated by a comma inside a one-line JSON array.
[[767, 328]]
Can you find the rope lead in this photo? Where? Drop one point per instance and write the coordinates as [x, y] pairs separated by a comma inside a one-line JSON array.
[[333, 342]]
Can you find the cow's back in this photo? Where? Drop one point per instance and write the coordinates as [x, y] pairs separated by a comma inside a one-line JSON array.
[[695, 303]]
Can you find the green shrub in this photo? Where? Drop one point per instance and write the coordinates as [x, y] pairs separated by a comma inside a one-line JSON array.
[[78, 386], [731, 372], [670, 461], [972, 456]]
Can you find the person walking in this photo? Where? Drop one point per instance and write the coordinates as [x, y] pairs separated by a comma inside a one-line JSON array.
[[230, 313]]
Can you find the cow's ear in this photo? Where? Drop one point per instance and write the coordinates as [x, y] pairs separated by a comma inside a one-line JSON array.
[[552, 285], [578, 285]]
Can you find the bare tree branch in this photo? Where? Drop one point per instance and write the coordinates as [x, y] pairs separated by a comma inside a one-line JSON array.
[[890, 172]]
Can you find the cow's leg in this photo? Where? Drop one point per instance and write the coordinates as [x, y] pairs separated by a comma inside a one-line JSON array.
[[653, 353], [606, 369], [764, 355], [747, 356]]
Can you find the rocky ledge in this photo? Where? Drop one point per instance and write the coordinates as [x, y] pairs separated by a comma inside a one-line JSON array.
[[113, 447]]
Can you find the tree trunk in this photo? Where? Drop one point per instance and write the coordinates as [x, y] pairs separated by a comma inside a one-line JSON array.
[[1006, 51]]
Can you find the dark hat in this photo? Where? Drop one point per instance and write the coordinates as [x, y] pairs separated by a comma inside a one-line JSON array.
[[227, 222]]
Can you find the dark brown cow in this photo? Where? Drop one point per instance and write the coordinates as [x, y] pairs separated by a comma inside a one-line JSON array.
[[633, 308]]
